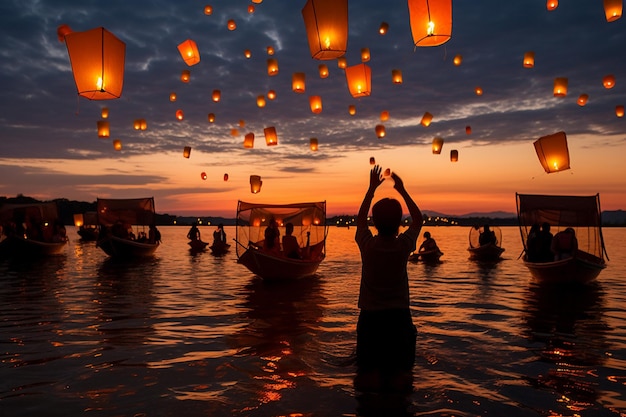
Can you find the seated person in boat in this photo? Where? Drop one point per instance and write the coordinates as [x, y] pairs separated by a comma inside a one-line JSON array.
[[219, 236], [120, 230], [533, 253], [194, 232], [60, 234], [544, 244], [429, 244], [291, 248], [154, 236], [272, 237], [487, 236], [564, 244], [142, 238]]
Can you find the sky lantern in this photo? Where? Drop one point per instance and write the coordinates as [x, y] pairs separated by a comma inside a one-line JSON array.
[[270, 50], [180, 115], [143, 125], [529, 59], [251, 8], [103, 129], [582, 99], [457, 60], [396, 76], [431, 21], [478, 91], [271, 138], [552, 152], [231, 24], [203, 176], [380, 131], [189, 51], [216, 95], [225, 177], [352, 109], [313, 144], [255, 184], [272, 67], [187, 151], [242, 123], [437, 145], [619, 110], [248, 140], [257, 1], [468, 130], [326, 24], [384, 115], [79, 219], [117, 145], [612, 10], [105, 112], [234, 132], [208, 10], [359, 78], [342, 62], [383, 28], [608, 81], [427, 118], [552, 4], [211, 117], [365, 54], [560, 87], [173, 96], [298, 82], [97, 58], [316, 104], [454, 155], [372, 160], [137, 124], [271, 94], [185, 76], [247, 53], [323, 70], [260, 101]]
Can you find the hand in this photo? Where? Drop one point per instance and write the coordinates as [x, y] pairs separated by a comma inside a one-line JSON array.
[[397, 182], [375, 178]]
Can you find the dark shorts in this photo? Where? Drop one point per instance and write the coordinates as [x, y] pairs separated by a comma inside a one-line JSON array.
[[385, 340]]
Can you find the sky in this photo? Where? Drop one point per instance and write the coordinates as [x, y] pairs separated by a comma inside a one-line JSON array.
[[49, 147]]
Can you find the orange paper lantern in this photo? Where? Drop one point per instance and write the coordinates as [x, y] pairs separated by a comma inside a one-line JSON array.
[[326, 24], [529, 59], [260, 101], [298, 82], [208, 10], [185, 76], [323, 70], [352, 109], [560, 87], [231, 24], [552, 4], [117, 145], [458, 59], [427, 118], [359, 78], [365, 54], [342, 62], [431, 21], [380, 131], [189, 51], [582, 99], [143, 125], [103, 129], [137, 124], [255, 184], [396, 76], [454, 155], [203, 176], [383, 28], [105, 112], [247, 53], [211, 117], [619, 110], [216, 95], [225, 177], [608, 81], [384, 116], [180, 115], [270, 50], [186, 151], [271, 138], [313, 145], [316, 104], [612, 10], [372, 160], [437, 145], [173, 96], [552, 152], [248, 140], [271, 94], [251, 8], [272, 67], [478, 91]]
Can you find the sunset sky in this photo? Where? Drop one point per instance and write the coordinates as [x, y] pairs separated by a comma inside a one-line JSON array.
[[49, 147]]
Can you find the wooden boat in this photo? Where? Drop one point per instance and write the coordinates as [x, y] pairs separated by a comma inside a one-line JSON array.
[[117, 217], [219, 248], [581, 213], [87, 224], [309, 220], [43, 234], [197, 245], [485, 251], [428, 256]]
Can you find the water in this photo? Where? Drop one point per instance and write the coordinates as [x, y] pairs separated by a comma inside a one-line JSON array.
[[198, 335]]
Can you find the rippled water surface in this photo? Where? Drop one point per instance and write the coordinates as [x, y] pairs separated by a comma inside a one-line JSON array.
[[198, 335]]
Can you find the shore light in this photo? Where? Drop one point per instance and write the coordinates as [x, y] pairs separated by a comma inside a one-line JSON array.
[[431, 21], [359, 78], [189, 52], [552, 152], [326, 24]]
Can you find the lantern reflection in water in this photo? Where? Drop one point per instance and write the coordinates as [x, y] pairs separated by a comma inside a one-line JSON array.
[[552, 152], [326, 24]]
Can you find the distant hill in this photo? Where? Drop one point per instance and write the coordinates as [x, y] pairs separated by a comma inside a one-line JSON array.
[[614, 218]]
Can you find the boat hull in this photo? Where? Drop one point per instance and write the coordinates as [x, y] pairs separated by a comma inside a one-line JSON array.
[[117, 247], [219, 249], [428, 257], [197, 245], [269, 266], [485, 253], [88, 234], [583, 268], [18, 246]]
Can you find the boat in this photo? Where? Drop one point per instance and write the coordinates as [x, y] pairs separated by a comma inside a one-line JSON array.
[[219, 248], [87, 224], [309, 221], [485, 251], [427, 256], [197, 245], [30, 230], [580, 213], [117, 217]]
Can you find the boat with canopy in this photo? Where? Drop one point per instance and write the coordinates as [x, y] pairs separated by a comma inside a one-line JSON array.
[[87, 224], [485, 245]]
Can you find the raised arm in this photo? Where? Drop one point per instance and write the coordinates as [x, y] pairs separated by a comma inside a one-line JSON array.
[[375, 180], [414, 211]]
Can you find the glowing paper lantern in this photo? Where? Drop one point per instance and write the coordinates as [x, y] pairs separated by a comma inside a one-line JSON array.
[[231, 24], [248, 140], [79, 219], [383, 28], [458, 59], [552, 4], [203, 175], [396, 76], [612, 10], [180, 115], [608, 81], [316, 104], [454, 155], [189, 51], [137, 124], [143, 125], [270, 50], [117, 145], [323, 69], [186, 151], [173, 96], [313, 145], [208, 10], [529, 59], [365, 54], [255, 183], [552, 152], [384, 116], [257, 1], [359, 78], [242, 123], [427, 118], [251, 8], [560, 87], [211, 117], [619, 110], [216, 95], [372, 160], [103, 129], [380, 131], [234, 132], [326, 24], [468, 130], [431, 21], [271, 94], [437, 145], [185, 76], [582, 99], [271, 138], [298, 82], [105, 113], [342, 62], [260, 101], [225, 177], [352, 109], [97, 58], [272, 67], [247, 53], [478, 91]]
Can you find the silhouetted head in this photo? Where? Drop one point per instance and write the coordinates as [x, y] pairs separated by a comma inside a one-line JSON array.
[[387, 216], [545, 227], [426, 235], [289, 228]]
